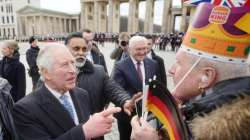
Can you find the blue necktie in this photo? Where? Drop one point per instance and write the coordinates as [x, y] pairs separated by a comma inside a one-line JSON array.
[[67, 105]]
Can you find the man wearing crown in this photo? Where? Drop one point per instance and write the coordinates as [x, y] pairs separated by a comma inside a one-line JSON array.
[[211, 70]]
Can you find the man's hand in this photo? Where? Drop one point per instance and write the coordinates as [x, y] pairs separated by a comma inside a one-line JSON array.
[[100, 123], [146, 132], [130, 104]]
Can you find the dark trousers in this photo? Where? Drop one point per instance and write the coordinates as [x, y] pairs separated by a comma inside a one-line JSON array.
[[35, 79], [124, 129]]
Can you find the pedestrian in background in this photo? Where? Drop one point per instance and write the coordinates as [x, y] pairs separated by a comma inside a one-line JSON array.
[[31, 56], [13, 70]]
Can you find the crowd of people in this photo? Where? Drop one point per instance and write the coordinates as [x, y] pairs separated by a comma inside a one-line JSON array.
[[72, 88]]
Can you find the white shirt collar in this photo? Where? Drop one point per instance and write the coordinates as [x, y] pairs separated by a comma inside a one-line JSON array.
[[56, 93], [135, 62], [149, 55]]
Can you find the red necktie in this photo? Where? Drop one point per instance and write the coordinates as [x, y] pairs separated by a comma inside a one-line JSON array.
[[138, 69]]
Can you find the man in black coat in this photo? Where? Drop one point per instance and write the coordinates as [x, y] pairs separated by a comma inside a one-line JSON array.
[[95, 80], [31, 56], [57, 110], [151, 54]]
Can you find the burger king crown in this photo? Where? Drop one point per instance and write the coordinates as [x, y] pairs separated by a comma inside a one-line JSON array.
[[219, 33]]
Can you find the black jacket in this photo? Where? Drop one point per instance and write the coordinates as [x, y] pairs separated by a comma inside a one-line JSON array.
[[31, 56], [100, 87], [161, 72], [223, 92], [6, 105], [13, 70], [98, 58], [41, 116]]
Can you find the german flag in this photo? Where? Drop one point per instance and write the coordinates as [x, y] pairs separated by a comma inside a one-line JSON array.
[[162, 104]]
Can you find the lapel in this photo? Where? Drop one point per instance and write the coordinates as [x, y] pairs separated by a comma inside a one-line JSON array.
[[78, 107], [147, 70], [54, 109]]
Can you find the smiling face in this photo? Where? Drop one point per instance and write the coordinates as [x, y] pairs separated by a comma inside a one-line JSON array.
[[139, 50], [62, 74]]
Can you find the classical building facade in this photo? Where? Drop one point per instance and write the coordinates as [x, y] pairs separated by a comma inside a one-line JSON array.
[[8, 22], [93, 15], [39, 21]]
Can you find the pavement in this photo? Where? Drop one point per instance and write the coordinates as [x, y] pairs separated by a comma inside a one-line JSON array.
[[168, 56]]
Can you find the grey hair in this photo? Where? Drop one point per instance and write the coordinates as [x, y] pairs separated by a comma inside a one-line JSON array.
[[225, 70], [45, 59], [135, 39]]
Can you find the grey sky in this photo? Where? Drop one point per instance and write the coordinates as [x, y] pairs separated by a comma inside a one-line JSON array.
[[73, 6]]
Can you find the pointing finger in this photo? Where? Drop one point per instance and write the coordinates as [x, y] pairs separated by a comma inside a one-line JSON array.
[[110, 111]]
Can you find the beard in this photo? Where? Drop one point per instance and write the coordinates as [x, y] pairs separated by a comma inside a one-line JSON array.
[[80, 61]]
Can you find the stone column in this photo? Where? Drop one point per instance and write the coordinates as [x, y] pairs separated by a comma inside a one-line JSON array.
[[96, 16], [116, 16], [25, 25], [100, 19], [19, 26], [166, 16], [40, 25], [77, 24], [46, 25], [133, 20], [84, 14], [172, 23], [184, 19], [149, 17], [89, 18], [34, 26], [110, 16], [65, 25], [70, 25], [61, 25]]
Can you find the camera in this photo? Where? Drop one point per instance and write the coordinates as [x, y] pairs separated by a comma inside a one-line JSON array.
[[124, 43]]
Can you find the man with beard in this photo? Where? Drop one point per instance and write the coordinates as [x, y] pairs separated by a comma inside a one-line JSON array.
[[95, 80]]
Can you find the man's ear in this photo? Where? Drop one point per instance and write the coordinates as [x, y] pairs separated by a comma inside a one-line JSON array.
[[45, 73], [208, 77]]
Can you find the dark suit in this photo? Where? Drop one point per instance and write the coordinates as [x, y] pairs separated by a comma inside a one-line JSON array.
[[161, 72], [40, 116], [125, 74]]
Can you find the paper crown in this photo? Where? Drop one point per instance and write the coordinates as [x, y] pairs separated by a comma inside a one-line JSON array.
[[219, 33]]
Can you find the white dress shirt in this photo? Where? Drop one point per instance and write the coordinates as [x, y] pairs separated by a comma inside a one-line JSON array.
[[90, 57], [142, 69], [58, 95], [149, 55]]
